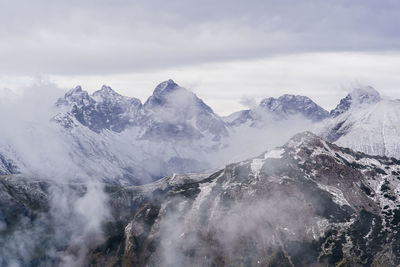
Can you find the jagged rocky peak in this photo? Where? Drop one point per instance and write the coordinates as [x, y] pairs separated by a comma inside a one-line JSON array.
[[170, 93], [161, 93], [75, 96], [106, 92], [104, 109], [358, 96], [166, 87], [76, 90], [170, 111], [295, 104], [175, 111], [175, 98]]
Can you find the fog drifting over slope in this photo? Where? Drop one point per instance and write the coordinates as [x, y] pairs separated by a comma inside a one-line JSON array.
[[75, 215]]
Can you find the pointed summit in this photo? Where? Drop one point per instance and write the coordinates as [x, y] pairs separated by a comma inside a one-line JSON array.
[[75, 96], [76, 90], [165, 87], [358, 96], [171, 94], [162, 94], [177, 111]]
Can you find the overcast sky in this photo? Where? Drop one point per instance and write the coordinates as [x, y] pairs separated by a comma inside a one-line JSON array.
[[228, 52]]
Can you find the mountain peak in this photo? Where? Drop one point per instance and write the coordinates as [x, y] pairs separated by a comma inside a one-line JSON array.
[[358, 96], [76, 90], [163, 90], [166, 87], [76, 96], [107, 89], [293, 104], [106, 92]]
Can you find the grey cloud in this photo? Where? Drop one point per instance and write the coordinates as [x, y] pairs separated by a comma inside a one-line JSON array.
[[105, 37]]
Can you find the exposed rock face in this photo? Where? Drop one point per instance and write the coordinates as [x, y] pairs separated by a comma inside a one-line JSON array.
[[308, 203]]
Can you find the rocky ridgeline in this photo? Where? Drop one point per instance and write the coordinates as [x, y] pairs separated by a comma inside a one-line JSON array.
[[307, 203]]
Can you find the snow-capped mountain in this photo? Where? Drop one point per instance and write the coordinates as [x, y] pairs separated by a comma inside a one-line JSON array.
[[121, 140], [104, 109], [118, 139], [173, 112], [365, 122], [173, 131], [279, 109], [306, 203]]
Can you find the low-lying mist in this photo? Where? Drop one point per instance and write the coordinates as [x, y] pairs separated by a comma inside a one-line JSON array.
[[68, 217]]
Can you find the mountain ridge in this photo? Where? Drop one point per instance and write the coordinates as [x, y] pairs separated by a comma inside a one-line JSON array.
[[117, 138], [283, 208]]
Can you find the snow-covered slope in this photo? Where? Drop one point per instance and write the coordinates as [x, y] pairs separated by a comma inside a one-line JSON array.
[[365, 122]]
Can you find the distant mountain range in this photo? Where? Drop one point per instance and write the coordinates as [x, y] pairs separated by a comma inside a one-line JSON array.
[[120, 140]]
